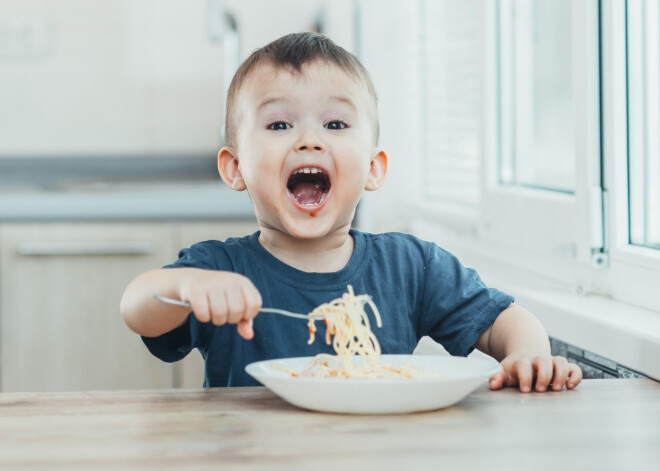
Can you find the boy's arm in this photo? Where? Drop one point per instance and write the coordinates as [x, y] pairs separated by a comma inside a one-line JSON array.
[[519, 342], [217, 296]]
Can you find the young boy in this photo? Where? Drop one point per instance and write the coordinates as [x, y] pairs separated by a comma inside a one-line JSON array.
[[301, 137]]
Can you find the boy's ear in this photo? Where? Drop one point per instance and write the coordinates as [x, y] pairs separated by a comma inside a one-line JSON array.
[[378, 171], [229, 170]]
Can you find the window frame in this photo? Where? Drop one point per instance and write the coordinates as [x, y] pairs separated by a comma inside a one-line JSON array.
[[560, 233], [635, 270], [623, 271], [583, 242], [643, 41]]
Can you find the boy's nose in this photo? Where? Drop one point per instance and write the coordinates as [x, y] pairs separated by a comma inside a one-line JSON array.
[[309, 141], [304, 147]]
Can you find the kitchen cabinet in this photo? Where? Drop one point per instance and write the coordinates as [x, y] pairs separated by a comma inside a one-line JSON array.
[[60, 287]]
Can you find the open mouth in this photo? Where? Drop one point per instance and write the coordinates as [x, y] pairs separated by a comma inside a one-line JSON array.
[[309, 186]]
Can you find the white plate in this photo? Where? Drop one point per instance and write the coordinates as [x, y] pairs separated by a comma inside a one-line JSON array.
[[460, 376]]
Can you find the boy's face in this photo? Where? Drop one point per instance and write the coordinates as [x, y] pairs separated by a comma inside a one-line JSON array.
[[305, 148]]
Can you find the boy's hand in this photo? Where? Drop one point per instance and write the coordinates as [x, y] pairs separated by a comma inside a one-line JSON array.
[[538, 370], [222, 298], [518, 340]]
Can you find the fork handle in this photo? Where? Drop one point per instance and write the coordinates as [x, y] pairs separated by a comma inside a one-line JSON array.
[[272, 310], [269, 310]]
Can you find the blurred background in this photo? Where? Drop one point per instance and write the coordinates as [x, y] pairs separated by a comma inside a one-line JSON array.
[[522, 136]]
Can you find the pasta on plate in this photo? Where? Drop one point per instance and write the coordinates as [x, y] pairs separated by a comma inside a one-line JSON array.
[[357, 348]]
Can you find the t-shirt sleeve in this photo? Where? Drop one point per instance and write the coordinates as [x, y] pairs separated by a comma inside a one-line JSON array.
[[176, 344], [209, 255], [458, 306]]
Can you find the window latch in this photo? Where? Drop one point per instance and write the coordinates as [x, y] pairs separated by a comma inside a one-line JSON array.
[[599, 256]]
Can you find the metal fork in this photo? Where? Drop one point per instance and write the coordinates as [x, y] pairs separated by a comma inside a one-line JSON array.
[[269, 310]]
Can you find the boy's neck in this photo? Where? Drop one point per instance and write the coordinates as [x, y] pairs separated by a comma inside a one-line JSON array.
[[326, 255]]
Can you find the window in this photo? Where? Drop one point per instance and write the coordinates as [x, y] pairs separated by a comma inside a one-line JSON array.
[[536, 132], [644, 122], [536, 89], [630, 148], [541, 168]]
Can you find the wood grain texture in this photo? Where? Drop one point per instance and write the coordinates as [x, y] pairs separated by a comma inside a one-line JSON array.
[[603, 425]]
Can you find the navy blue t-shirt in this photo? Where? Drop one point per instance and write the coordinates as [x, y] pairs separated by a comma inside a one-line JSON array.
[[419, 289]]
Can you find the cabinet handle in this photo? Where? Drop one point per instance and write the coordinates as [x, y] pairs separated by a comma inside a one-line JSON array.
[[41, 249]]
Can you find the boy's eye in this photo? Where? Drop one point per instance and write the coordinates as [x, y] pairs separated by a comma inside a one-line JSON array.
[[335, 125], [279, 126]]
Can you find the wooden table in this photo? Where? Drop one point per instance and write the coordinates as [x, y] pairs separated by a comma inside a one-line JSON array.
[[602, 425]]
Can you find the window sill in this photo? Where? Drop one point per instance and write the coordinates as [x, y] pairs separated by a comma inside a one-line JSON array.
[[625, 333]]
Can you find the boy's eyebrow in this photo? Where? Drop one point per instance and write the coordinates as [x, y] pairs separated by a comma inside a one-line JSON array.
[[339, 98], [343, 99], [268, 101]]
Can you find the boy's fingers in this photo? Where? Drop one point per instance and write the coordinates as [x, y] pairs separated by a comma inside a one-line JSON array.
[[497, 380], [543, 373], [561, 373], [574, 375], [219, 309], [245, 329], [235, 306], [522, 371], [252, 299], [199, 305]]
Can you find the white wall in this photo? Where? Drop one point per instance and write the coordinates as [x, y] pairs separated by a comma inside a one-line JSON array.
[[388, 47], [133, 77]]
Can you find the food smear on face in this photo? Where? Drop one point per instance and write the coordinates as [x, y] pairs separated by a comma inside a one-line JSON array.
[[349, 331]]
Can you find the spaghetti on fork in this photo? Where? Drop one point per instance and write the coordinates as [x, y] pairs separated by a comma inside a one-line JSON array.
[[349, 331]]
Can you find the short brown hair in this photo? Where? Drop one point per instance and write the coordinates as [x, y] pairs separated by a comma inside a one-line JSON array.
[[291, 52]]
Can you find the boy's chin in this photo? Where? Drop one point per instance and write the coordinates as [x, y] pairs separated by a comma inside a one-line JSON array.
[[313, 229], [307, 233]]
